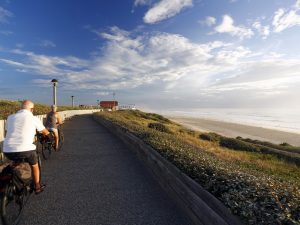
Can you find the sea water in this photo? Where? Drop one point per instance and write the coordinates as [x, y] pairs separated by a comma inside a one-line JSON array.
[[279, 119]]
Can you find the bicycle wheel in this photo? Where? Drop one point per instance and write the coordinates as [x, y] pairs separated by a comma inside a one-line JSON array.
[[61, 139], [11, 205], [46, 150]]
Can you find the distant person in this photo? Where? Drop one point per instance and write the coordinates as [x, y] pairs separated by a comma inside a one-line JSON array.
[[18, 144], [53, 119]]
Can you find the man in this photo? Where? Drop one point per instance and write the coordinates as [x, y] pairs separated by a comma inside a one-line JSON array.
[[53, 119], [18, 144]]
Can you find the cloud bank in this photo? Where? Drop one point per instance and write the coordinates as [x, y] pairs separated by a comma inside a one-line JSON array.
[[169, 64]]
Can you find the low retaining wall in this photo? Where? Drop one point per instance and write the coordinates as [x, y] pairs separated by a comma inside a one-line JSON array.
[[64, 115], [202, 207]]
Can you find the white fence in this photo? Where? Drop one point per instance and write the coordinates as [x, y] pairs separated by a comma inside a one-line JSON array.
[[64, 115]]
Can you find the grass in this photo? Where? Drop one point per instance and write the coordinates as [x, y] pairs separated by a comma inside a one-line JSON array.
[[260, 188], [9, 107]]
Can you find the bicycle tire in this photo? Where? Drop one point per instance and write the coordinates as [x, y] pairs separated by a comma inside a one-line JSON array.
[[46, 150], [11, 205]]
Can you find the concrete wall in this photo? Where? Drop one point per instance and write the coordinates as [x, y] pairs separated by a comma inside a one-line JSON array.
[[64, 115], [201, 206]]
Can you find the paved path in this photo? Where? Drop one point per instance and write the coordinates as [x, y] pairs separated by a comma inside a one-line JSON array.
[[97, 180]]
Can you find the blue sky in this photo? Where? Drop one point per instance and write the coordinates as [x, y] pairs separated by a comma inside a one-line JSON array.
[[157, 54]]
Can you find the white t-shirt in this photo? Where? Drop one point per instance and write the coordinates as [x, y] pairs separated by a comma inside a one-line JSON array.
[[20, 131]]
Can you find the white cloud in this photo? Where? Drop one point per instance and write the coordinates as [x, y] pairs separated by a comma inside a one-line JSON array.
[[209, 21], [4, 15], [283, 20], [297, 5], [264, 31], [166, 9], [47, 43], [227, 26]]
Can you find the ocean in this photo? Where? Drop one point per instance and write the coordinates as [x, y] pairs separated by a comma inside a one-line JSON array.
[[278, 119]]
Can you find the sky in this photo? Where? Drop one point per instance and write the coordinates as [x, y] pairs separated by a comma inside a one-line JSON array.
[[156, 54]]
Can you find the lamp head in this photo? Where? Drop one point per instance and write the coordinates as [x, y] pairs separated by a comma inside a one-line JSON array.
[[54, 81]]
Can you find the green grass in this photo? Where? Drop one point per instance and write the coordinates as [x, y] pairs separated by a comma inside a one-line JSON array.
[[258, 187], [9, 107]]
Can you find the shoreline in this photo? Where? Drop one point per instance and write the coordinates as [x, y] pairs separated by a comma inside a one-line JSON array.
[[233, 130]]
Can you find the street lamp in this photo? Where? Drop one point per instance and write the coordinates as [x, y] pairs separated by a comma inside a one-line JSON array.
[[72, 101], [98, 106], [54, 82], [114, 94]]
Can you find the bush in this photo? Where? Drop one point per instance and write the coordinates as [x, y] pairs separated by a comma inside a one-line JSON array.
[[210, 137], [187, 131], [284, 146], [160, 127], [238, 145]]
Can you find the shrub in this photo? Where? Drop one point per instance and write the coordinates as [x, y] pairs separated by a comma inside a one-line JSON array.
[[284, 146], [210, 137], [160, 127], [187, 131], [238, 145]]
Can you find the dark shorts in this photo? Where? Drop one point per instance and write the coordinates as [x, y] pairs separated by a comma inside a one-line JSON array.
[[28, 156]]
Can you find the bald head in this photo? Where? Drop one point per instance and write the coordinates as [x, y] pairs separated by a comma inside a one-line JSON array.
[[27, 104], [54, 108]]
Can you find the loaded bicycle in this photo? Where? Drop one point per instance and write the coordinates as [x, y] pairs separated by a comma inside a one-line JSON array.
[[16, 186]]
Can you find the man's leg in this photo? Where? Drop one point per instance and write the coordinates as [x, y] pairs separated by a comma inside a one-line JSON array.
[[56, 139], [36, 175]]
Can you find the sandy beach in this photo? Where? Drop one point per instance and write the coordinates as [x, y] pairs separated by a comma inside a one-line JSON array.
[[234, 130]]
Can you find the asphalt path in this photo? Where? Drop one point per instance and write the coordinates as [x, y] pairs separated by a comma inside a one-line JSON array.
[[96, 179]]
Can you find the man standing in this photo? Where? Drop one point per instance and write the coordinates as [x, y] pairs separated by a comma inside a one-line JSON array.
[[18, 144], [53, 119]]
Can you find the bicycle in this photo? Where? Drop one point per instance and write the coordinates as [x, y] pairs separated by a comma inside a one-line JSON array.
[[45, 145], [16, 186]]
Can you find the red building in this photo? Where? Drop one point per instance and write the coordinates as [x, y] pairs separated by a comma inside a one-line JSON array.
[[113, 105]]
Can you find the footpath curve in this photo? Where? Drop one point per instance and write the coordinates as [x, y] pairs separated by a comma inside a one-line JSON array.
[[97, 180]]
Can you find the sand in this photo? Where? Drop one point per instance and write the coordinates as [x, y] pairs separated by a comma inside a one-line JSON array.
[[234, 130]]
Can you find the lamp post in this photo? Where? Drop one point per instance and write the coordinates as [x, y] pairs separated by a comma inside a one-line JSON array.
[[114, 101], [54, 82], [72, 101], [98, 106]]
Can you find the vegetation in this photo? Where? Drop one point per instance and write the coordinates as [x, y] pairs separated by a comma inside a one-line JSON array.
[[258, 187], [159, 126], [283, 151], [9, 107]]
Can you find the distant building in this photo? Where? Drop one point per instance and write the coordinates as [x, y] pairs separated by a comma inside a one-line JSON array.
[[109, 105]]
